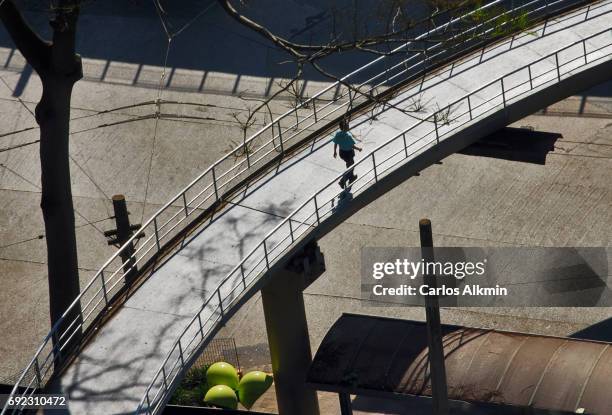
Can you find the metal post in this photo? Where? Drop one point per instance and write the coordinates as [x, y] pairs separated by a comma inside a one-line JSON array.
[[291, 231], [266, 254], [156, 233], [469, 107], [215, 183], [503, 92], [436, 127], [220, 302], [148, 403], [185, 205], [181, 353], [57, 349], [165, 378], [201, 327], [434, 331], [345, 404], [37, 373], [247, 151], [586, 16], [287, 329], [530, 78], [280, 136], [374, 168], [243, 277], [104, 292], [558, 68]]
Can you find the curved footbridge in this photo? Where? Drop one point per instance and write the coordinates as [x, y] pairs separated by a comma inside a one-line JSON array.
[[134, 360]]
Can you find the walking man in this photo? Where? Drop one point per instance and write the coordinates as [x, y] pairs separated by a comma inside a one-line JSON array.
[[346, 142]]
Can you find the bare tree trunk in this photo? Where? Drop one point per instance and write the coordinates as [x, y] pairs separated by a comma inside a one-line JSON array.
[[59, 69], [53, 115]]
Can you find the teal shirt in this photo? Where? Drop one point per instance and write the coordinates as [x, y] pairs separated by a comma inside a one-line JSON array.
[[345, 140]]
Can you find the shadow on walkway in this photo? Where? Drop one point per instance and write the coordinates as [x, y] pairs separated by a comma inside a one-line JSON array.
[[515, 144]]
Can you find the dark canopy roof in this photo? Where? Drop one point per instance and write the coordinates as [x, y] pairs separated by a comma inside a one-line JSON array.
[[362, 354]]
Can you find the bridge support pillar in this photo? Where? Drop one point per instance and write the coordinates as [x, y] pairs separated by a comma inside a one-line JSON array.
[[288, 338]]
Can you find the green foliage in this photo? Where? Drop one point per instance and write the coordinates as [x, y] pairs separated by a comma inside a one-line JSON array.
[[495, 21], [521, 21], [192, 389]]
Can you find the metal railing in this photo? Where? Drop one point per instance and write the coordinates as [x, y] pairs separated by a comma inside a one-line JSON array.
[[494, 96], [212, 185]]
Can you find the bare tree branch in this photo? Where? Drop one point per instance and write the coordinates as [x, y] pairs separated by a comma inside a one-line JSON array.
[[297, 49]]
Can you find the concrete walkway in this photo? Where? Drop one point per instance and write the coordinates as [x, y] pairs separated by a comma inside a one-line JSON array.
[[112, 373]]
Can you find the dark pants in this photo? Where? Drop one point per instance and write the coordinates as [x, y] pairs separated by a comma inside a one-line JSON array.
[[349, 158]]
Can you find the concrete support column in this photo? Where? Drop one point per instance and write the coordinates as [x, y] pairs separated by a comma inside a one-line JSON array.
[[288, 338]]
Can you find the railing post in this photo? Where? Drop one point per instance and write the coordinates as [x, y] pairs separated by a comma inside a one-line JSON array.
[[57, 354], [405, 144], [180, 346], [558, 68], [469, 107], [104, 292], [585, 52], [156, 233], [530, 78], [586, 16], [148, 403], [214, 175], [242, 274], [185, 205], [220, 302], [291, 231], [246, 150], [374, 165], [165, 378], [265, 247], [314, 109], [316, 209], [280, 136], [503, 92], [435, 117], [37, 372], [201, 327]]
